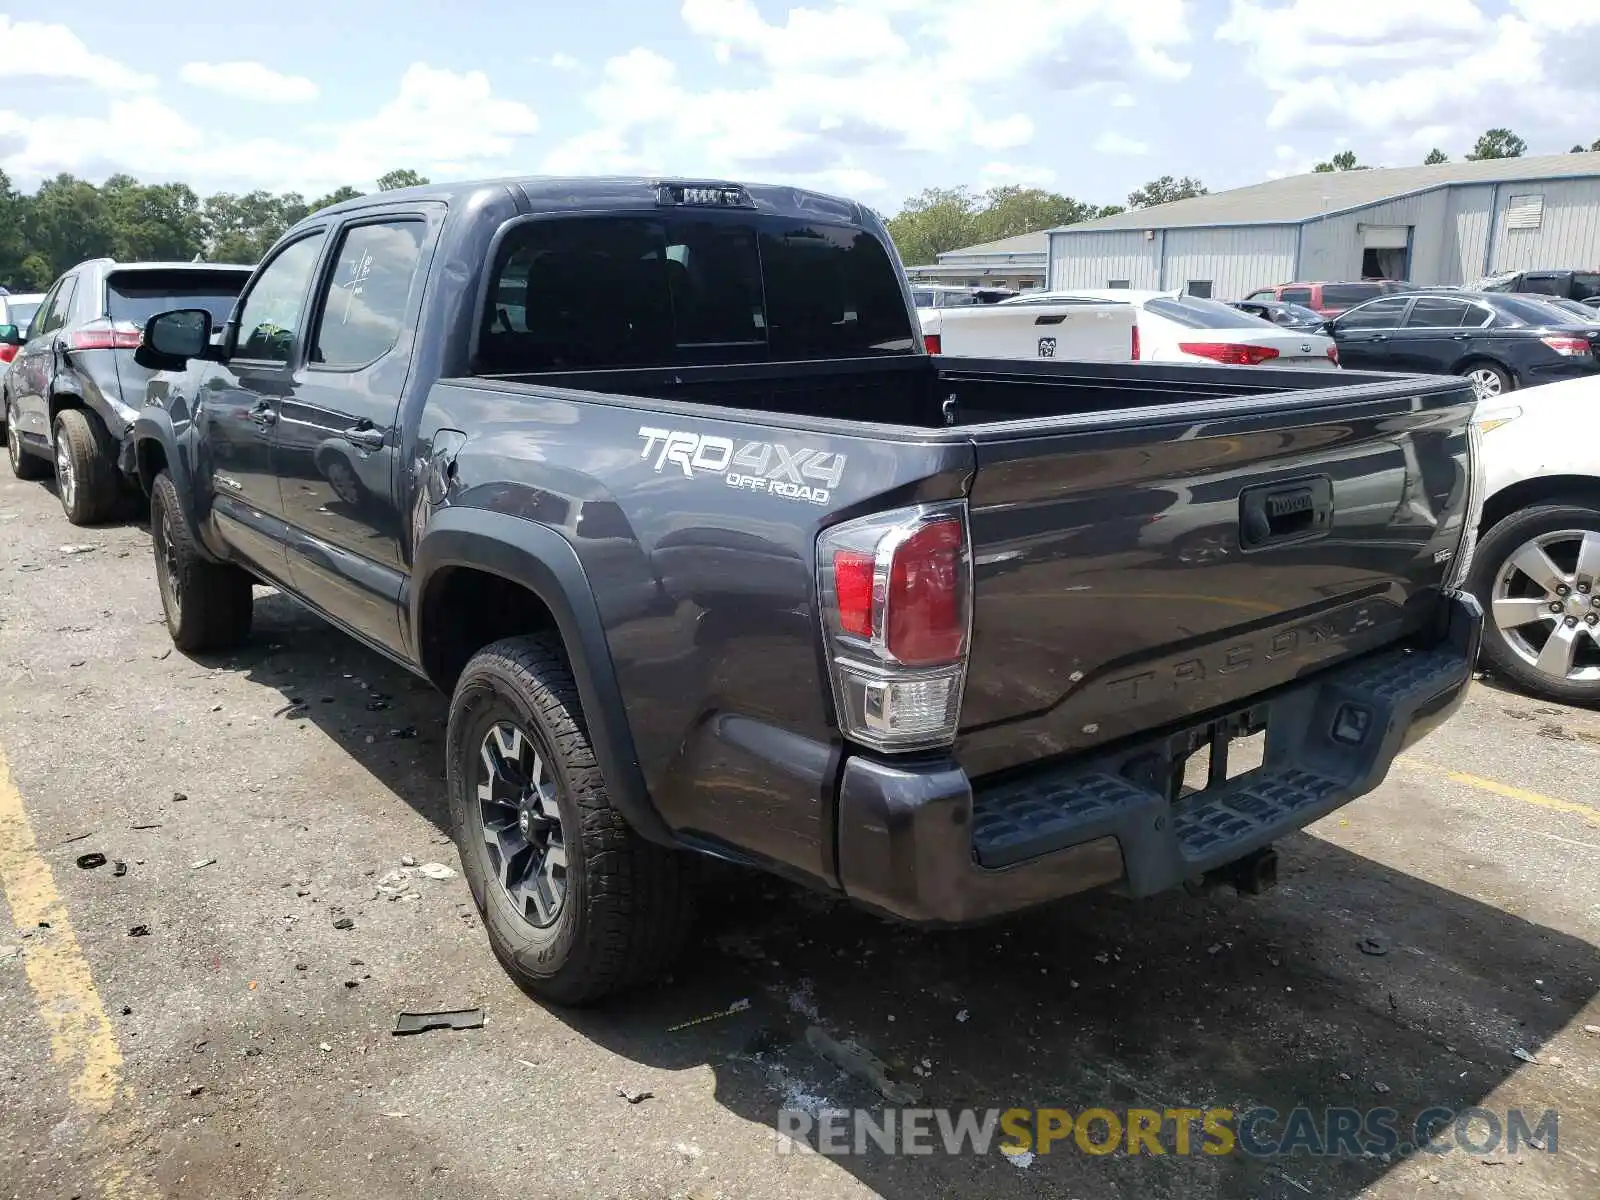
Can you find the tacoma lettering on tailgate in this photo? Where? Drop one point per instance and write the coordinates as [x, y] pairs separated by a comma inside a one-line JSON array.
[[771, 467]]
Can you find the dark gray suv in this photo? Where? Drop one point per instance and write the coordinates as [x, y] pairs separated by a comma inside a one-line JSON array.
[[73, 389]]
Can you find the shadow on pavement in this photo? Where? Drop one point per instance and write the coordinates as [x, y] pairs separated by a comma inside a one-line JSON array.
[[1175, 1002]]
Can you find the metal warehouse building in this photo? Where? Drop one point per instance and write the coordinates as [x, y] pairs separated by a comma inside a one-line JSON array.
[[1450, 223]]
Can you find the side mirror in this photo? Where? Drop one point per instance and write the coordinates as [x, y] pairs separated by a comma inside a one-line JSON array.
[[10, 335], [171, 339]]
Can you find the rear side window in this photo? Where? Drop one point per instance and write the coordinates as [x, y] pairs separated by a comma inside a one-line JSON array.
[[1345, 295], [1438, 312], [1543, 285], [1380, 314], [1529, 310], [55, 313], [1195, 313], [618, 292], [136, 296], [364, 301], [1295, 295]]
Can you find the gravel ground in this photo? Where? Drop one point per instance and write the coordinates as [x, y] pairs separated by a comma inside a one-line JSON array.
[[242, 1047]]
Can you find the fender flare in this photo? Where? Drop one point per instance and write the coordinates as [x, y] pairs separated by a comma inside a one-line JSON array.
[[539, 559], [155, 425]]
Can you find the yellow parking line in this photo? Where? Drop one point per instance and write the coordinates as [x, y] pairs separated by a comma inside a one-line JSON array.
[[81, 1035], [1553, 803]]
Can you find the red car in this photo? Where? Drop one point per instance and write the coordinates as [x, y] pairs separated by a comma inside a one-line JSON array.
[[1331, 299]]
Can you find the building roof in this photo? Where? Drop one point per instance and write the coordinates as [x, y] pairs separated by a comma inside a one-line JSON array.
[[1023, 243], [1320, 193]]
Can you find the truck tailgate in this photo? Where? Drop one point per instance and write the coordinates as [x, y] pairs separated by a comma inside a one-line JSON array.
[[1135, 570]]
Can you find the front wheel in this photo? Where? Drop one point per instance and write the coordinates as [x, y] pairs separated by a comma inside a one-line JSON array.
[[1537, 575], [577, 905], [1488, 380], [208, 605]]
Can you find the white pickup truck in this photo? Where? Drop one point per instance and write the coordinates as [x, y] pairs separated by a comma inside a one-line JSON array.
[[1081, 329]]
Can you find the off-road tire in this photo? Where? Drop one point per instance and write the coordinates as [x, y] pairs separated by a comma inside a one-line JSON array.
[[92, 492], [628, 905], [212, 605]]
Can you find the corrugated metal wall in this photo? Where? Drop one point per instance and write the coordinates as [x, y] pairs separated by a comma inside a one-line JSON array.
[[1450, 243], [1568, 233], [1086, 260], [1237, 261]]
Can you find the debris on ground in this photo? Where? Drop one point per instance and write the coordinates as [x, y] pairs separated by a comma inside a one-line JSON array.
[[345, 923], [863, 1064], [738, 1006], [1020, 1159], [1373, 945], [963, 1016], [77, 548], [325, 1048], [196, 1089], [352, 983], [7, 953], [633, 1097], [421, 1022], [180, 797], [88, 862], [119, 868], [407, 861], [77, 837], [404, 733], [151, 825], [688, 1149], [1519, 1052], [204, 862], [434, 870], [1381, 1088], [139, 931]]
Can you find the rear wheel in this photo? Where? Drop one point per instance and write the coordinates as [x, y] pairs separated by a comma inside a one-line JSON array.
[[577, 905], [24, 463], [86, 468], [1537, 575], [1488, 380], [208, 605]]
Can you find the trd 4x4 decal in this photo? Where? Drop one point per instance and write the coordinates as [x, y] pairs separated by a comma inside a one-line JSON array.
[[772, 467]]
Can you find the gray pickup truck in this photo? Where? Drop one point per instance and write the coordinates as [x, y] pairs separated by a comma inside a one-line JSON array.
[[657, 481]]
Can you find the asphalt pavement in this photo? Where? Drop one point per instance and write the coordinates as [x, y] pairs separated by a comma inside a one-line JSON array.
[[208, 1014]]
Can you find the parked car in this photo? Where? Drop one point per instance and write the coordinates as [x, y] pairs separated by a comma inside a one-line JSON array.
[[721, 561], [1498, 341], [1331, 299], [74, 387], [1584, 312], [1177, 328], [1290, 316], [1536, 570], [1580, 285], [15, 313], [935, 295], [1034, 326]]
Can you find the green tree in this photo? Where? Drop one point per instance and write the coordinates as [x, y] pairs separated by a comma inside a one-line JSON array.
[[403, 177], [1165, 190], [337, 196], [1007, 211], [1345, 160], [1595, 145], [1435, 157], [63, 223], [1498, 143], [159, 222], [933, 221], [1578, 149], [13, 247]]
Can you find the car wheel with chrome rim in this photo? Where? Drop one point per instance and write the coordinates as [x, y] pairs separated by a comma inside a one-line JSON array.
[[1537, 575], [577, 904]]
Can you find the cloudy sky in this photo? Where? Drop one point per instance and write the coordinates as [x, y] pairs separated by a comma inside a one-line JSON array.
[[874, 98]]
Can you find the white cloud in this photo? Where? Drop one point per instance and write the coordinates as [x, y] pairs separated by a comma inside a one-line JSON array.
[[442, 123], [33, 50], [807, 40], [1112, 142], [1004, 174], [249, 81], [1124, 100], [564, 62], [1412, 75]]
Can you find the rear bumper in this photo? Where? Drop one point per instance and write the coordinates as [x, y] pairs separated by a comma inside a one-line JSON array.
[[917, 842]]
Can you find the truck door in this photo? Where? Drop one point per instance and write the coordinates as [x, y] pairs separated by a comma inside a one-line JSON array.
[[240, 402], [339, 437]]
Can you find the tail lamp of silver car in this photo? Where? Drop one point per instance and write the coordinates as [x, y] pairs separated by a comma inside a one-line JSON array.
[[896, 592]]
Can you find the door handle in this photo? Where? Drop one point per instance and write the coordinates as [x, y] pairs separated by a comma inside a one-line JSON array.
[[1459, 337], [1380, 337], [365, 435], [262, 414]]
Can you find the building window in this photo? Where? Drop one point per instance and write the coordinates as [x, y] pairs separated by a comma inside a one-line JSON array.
[[1526, 211], [1199, 287], [1116, 283]]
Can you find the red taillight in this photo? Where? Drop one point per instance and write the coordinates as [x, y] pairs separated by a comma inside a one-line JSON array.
[[1567, 347], [8, 353], [933, 343], [924, 605], [1136, 343], [852, 586], [1234, 353], [1333, 355], [106, 337]]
